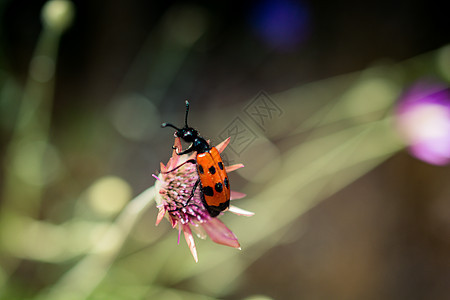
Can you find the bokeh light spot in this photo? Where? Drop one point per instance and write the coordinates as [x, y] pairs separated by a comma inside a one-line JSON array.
[[423, 120], [185, 24], [135, 117], [58, 14], [37, 163], [281, 24], [108, 195], [262, 167]]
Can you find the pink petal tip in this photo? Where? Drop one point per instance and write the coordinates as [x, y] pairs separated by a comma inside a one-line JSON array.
[[161, 214], [220, 234], [236, 195], [233, 167], [240, 211], [223, 145], [190, 241]]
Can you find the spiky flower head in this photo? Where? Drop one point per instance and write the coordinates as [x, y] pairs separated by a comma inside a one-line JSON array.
[[187, 212]]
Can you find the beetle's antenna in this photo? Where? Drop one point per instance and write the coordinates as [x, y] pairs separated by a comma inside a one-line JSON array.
[[169, 125], [187, 111]]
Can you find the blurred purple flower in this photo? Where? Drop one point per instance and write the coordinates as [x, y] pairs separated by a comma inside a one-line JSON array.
[[423, 119], [281, 24]]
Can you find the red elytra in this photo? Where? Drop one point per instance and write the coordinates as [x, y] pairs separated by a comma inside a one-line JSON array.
[[213, 179]]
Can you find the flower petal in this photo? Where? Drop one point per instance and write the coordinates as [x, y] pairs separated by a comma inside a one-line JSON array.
[[190, 241], [236, 195], [173, 161], [161, 214], [171, 164], [240, 211], [200, 232], [191, 156], [173, 222], [220, 234], [223, 145], [233, 167], [177, 144]]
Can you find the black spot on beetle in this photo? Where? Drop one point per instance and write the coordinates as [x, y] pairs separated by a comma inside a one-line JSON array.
[[212, 170], [221, 165], [208, 191], [214, 211], [227, 184], [200, 169], [219, 187]]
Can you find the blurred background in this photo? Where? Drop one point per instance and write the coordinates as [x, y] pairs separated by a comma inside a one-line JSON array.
[[305, 89]]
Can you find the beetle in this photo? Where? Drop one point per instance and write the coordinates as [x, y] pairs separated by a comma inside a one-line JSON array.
[[213, 179]]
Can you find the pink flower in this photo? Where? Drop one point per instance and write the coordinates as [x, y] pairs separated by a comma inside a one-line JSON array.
[[423, 120], [174, 190]]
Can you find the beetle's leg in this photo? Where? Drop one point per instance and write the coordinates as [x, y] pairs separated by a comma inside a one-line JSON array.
[[193, 191], [188, 150], [192, 161], [190, 196]]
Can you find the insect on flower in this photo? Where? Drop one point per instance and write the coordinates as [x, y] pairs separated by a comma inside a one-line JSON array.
[[213, 181], [183, 194]]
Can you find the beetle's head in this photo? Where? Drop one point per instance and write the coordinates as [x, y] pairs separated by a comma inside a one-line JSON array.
[[188, 134]]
